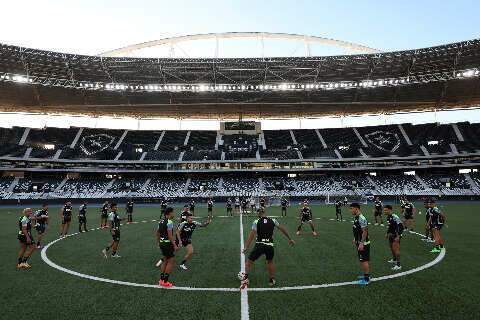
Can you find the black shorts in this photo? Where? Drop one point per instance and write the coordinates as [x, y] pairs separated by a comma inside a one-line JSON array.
[[130, 212], [437, 226], [40, 228], [237, 206], [408, 216], [185, 242], [116, 236], [378, 213], [262, 249], [21, 237], [82, 219], [66, 219], [192, 209], [229, 209], [104, 216], [338, 211], [391, 238], [364, 256], [167, 249], [306, 218], [210, 209]]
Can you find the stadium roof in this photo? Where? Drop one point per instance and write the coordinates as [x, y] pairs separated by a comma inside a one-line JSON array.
[[430, 78]]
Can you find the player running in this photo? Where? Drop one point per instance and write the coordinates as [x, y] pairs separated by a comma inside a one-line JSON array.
[[306, 216], [25, 238], [229, 207], [263, 229], [338, 210], [393, 235], [82, 218], [104, 215], [361, 241], [168, 247], [66, 218], [378, 211], [129, 210], [184, 237], [210, 208], [284, 204], [436, 221], [114, 224], [409, 215], [41, 223]]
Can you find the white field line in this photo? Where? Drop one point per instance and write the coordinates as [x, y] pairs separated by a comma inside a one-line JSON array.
[[244, 292]]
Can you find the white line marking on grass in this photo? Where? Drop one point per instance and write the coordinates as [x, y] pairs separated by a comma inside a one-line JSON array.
[[52, 264], [244, 292]]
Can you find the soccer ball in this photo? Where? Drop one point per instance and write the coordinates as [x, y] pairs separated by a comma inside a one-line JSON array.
[[241, 275]]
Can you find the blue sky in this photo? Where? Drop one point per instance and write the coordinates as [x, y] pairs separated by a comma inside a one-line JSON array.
[[91, 27]]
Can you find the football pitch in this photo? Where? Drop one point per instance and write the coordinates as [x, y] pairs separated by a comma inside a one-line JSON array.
[[79, 283]]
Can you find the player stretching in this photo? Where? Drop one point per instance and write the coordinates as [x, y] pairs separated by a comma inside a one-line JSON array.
[[210, 208], [41, 224], [338, 210], [129, 209], [184, 237], [436, 221], [306, 216], [361, 241], [66, 218], [284, 204], [114, 224], [409, 215], [378, 211], [394, 234], [25, 238], [104, 215], [263, 228], [168, 247], [229, 207], [82, 218]]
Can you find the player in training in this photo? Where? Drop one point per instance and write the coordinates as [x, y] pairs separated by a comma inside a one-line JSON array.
[[82, 218], [409, 215], [436, 221], [263, 229], [210, 208], [428, 227], [66, 218], [192, 207], [163, 206], [166, 243], [114, 225], [262, 202], [104, 215], [306, 216], [229, 205], [244, 205], [378, 207], [41, 223], [184, 214], [184, 237], [237, 205], [284, 204], [25, 238], [252, 204], [393, 235], [361, 241], [338, 210], [129, 210]]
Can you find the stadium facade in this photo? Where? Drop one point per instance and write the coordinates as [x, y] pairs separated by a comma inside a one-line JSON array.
[[241, 158]]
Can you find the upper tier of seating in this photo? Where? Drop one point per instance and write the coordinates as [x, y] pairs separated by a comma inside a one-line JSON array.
[[177, 145]]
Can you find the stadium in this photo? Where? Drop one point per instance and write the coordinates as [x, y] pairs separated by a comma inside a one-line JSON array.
[[307, 144]]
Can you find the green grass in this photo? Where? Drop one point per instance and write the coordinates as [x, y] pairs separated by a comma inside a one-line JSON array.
[[445, 291]]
